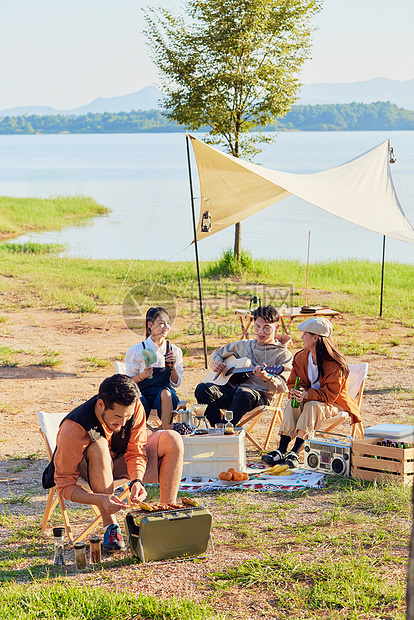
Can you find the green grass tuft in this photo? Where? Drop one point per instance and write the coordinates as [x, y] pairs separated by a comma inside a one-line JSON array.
[[31, 247], [61, 601], [20, 215], [51, 358], [24, 498], [95, 362], [300, 585], [228, 265], [376, 498]]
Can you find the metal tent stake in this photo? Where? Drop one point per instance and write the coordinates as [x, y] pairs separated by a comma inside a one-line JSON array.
[[196, 253]]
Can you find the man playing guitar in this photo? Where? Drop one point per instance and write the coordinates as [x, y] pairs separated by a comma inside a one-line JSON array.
[[258, 387]]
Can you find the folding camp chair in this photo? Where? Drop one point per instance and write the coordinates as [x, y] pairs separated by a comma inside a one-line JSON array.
[[254, 416], [153, 422], [356, 383], [49, 426], [120, 368]]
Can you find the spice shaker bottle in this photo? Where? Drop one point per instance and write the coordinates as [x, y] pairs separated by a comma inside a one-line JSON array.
[[59, 557], [95, 550], [80, 555]]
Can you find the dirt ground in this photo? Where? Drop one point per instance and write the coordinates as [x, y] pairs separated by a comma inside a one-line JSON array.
[[74, 339], [35, 335]]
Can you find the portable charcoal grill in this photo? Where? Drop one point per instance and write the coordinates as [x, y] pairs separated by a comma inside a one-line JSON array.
[[166, 534]]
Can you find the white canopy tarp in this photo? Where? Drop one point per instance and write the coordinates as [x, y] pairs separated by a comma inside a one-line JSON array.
[[360, 191]]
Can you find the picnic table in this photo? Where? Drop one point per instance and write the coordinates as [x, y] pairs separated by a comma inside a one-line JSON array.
[[246, 317]]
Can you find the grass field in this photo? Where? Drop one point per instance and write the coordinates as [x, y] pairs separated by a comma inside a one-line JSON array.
[[35, 276]]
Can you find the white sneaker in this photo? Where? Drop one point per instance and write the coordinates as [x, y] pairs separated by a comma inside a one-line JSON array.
[[292, 459]]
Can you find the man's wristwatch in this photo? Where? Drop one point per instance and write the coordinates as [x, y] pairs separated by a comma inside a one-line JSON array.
[[132, 482]]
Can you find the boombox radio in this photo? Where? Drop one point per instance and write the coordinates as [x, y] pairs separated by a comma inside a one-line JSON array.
[[330, 455]]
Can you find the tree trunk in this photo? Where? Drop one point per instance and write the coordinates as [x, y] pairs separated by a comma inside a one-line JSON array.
[[237, 228], [410, 576], [237, 241]]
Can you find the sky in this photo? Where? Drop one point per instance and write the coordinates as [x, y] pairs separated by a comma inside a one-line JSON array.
[[66, 53]]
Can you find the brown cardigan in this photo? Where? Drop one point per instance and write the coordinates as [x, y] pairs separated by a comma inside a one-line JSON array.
[[334, 387]]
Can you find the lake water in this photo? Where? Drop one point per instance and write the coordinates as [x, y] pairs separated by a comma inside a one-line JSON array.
[[143, 179]]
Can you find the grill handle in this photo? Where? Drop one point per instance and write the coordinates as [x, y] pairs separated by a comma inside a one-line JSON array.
[[177, 516]]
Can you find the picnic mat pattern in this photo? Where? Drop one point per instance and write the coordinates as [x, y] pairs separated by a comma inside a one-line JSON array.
[[300, 479]]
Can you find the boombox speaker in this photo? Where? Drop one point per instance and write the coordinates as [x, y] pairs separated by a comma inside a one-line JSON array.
[[329, 453]]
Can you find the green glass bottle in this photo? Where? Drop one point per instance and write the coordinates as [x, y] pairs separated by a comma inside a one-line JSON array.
[[294, 402]]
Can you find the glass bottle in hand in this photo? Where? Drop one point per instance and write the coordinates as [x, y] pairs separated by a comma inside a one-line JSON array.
[[294, 402], [168, 365]]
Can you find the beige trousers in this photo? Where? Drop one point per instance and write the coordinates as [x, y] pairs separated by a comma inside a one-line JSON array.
[[307, 417]]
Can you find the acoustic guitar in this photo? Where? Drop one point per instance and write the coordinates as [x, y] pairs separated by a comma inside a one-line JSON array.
[[237, 371]]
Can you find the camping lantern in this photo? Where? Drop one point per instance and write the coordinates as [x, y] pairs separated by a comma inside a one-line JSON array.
[[255, 302], [206, 222]]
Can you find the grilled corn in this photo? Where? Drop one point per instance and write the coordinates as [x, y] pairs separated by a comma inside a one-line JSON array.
[[190, 502], [146, 507]]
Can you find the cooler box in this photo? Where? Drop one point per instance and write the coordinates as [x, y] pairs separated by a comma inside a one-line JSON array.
[[168, 534], [208, 455], [394, 432]]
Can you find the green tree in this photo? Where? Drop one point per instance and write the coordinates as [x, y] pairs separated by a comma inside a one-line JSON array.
[[231, 66]]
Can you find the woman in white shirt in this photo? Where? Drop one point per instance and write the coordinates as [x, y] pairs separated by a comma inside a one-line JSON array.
[[157, 382]]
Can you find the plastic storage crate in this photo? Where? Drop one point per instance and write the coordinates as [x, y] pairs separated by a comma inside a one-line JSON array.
[[208, 455]]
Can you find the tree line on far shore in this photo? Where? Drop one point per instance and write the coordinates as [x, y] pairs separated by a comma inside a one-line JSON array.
[[326, 117]]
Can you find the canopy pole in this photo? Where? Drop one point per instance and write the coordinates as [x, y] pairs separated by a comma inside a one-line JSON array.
[[382, 274], [307, 273], [187, 138]]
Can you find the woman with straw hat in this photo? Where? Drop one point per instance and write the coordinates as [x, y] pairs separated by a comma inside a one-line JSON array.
[[323, 392]]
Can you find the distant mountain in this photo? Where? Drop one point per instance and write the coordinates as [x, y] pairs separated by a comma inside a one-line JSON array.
[[144, 99], [30, 109], [378, 89]]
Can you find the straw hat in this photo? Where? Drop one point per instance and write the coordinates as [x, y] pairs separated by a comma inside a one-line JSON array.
[[317, 325]]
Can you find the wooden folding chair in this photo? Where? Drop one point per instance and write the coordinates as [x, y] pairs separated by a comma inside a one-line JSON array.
[[254, 416], [49, 426], [356, 383], [153, 422]]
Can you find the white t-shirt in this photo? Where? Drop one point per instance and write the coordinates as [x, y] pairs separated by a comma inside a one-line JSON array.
[[135, 364], [313, 373]]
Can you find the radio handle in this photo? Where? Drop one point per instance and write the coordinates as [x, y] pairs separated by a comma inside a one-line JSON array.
[[322, 432]]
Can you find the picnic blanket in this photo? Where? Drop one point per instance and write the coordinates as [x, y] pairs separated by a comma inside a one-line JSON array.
[[258, 481]]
